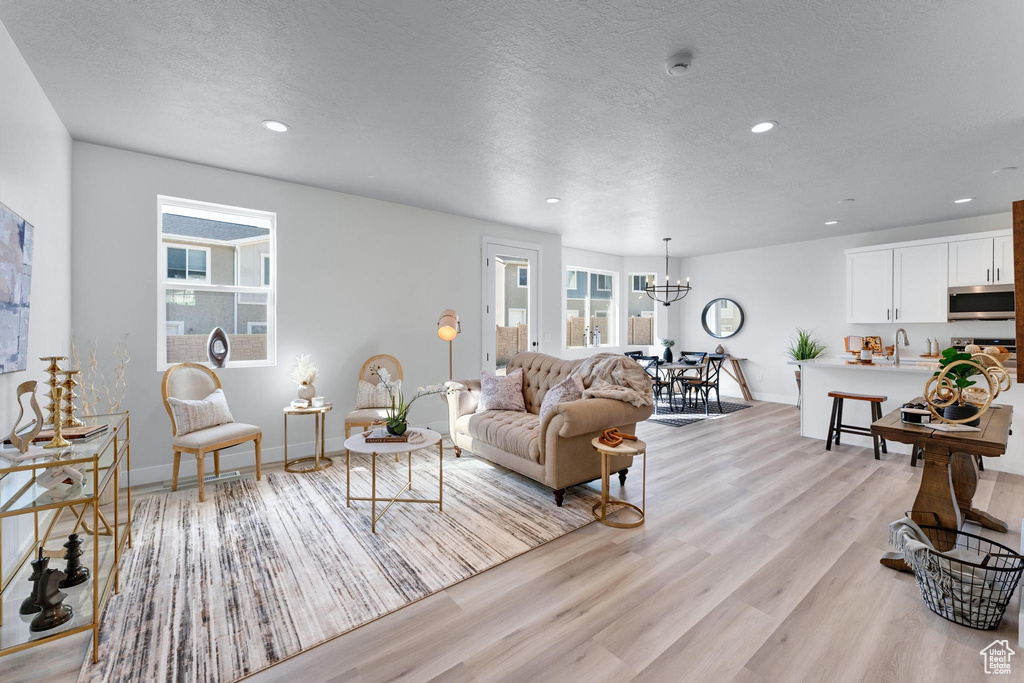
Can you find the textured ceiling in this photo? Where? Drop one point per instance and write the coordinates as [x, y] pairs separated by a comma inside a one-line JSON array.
[[486, 108]]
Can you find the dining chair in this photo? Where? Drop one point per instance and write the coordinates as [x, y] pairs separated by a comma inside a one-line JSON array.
[[652, 366], [708, 381], [681, 378]]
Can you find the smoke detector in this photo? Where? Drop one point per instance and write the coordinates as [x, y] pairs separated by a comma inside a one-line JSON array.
[[679, 63]]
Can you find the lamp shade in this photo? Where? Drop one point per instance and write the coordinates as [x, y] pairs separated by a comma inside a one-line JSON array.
[[448, 326]]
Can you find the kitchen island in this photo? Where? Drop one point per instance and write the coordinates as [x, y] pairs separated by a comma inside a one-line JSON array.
[[898, 384]]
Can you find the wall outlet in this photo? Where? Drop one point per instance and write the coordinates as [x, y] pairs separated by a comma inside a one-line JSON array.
[[547, 337]]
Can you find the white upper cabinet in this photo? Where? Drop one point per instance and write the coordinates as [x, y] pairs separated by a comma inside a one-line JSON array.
[[869, 286], [1003, 260], [970, 262], [919, 288]]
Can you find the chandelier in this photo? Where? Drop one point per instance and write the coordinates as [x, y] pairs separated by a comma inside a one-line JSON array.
[[666, 293]]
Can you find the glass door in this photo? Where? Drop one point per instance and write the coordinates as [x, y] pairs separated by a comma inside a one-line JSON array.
[[510, 304]]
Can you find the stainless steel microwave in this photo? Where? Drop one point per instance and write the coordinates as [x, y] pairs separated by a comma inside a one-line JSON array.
[[984, 302]]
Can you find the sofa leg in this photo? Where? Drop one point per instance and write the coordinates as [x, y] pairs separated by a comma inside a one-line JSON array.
[[458, 452], [559, 495], [622, 476]]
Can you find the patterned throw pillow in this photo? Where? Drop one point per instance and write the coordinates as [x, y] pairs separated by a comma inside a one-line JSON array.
[[569, 389], [191, 416], [375, 395], [502, 393]]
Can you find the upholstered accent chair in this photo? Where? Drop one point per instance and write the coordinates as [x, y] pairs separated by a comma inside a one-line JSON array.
[[555, 451], [364, 417], [194, 382]]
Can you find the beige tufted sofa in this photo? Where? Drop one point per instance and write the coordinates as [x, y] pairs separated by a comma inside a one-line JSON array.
[[556, 452]]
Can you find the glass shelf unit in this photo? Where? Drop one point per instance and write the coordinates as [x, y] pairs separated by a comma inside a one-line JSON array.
[[105, 529]]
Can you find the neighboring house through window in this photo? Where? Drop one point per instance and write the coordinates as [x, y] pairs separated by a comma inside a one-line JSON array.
[[523, 276], [589, 308], [640, 332]]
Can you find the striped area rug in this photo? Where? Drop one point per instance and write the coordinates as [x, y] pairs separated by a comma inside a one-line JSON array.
[[264, 570]]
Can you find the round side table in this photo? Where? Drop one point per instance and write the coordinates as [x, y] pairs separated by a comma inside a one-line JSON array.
[[627, 448], [319, 460]]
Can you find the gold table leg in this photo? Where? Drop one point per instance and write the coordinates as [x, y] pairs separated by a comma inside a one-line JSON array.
[[607, 500], [319, 460]]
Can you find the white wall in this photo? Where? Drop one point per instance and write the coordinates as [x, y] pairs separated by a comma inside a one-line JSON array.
[[803, 285], [356, 276], [35, 183], [666, 318]]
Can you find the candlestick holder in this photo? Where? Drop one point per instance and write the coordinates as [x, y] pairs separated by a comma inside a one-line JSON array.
[[52, 415], [58, 440], [69, 384]]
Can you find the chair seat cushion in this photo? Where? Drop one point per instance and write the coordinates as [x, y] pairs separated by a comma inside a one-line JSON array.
[[366, 416], [509, 430], [214, 435]]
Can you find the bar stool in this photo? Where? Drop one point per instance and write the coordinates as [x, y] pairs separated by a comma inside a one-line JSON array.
[[836, 426]]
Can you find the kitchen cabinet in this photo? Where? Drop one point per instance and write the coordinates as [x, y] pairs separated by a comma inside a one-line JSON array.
[[970, 262], [919, 287], [869, 286], [1002, 259]]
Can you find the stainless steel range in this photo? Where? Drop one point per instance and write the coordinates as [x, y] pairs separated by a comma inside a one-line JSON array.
[[1008, 342]]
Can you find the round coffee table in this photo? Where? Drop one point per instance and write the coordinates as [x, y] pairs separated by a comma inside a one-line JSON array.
[[358, 444], [627, 448], [319, 460]]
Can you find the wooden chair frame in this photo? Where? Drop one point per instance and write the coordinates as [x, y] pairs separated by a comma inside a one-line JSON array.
[[216, 448]]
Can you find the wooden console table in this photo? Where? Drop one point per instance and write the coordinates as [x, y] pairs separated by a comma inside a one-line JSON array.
[[737, 374], [950, 475]]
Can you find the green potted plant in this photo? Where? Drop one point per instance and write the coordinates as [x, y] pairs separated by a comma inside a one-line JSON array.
[[803, 347], [961, 377], [668, 344]]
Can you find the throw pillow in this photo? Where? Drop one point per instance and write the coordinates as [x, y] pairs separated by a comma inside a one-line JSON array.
[[502, 393], [191, 416], [375, 396], [569, 389]]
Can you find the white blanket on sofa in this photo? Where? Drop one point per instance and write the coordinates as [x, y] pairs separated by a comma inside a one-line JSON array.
[[614, 376]]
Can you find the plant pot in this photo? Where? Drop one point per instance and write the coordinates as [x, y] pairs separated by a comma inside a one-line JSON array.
[[667, 356], [307, 391], [799, 390], [397, 428], [959, 412]]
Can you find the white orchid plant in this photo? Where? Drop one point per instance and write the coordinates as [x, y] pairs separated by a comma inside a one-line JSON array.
[[304, 372], [398, 410]]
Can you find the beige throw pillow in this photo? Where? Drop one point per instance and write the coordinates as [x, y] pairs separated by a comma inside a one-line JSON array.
[[191, 416], [502, 393], [375, 395], [569, 389]]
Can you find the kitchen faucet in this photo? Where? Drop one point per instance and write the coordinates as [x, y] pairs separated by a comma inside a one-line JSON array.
[[895, 357]]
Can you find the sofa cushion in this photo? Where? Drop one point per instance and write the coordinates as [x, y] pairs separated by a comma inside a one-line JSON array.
[[569, 389], [540, 373], [509, 430], [501, 393]]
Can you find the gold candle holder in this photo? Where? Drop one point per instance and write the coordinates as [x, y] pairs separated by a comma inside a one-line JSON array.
[[58, 440], [53, 369], [69, 384]]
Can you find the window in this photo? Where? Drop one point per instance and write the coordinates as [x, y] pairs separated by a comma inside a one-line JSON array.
[[188, 263], [640, 311], [590, 309], [516, 316], [215, 270], [523, 276]]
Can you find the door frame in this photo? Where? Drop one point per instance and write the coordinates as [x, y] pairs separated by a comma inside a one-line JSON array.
[[536, 280]]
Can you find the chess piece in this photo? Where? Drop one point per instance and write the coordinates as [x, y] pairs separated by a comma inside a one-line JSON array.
[[22, 443], [76, 573], [28, 605], [53, 368], [58, 440], [52, 610], [69, 398]]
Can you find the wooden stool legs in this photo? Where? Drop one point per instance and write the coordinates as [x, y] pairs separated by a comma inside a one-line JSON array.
[[836, 427]]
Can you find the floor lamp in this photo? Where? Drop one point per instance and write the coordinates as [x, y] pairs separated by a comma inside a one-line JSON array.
[[448, 327]]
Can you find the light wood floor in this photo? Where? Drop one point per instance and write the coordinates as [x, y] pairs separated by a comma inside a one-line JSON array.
[[758, 562]]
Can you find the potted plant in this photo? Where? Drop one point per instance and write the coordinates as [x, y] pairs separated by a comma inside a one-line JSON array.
[[668, 344], [960, 375], [398, 411], [803, 347]]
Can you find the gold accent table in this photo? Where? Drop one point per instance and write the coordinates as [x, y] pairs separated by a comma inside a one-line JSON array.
[[101, 459], [633, 448], [319, 460], [357, 444]]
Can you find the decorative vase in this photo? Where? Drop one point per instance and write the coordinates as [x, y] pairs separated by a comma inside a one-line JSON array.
[[668, 354], [397, 428], [959, 412], [307, 391]]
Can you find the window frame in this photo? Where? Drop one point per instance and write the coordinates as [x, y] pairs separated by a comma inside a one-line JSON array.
[[612, 313], [186, 247], [519, 277], [653, 313], [265, 269], [611, 281], [163, 202]]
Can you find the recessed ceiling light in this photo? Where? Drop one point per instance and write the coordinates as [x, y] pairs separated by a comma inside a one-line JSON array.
[[1006, 169], [552, 200], [851, 199], [963, 200], [763, 127], [831, 222], [275, 126]]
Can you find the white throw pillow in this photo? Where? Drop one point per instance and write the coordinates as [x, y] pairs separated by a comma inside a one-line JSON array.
[[502, 393], [191, 416], [375, 396], [569, 389]]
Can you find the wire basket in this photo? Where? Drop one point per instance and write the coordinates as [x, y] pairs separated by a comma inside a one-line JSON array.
[[967, 593]]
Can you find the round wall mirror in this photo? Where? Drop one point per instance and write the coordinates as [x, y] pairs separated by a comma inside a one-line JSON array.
[[722, 318]]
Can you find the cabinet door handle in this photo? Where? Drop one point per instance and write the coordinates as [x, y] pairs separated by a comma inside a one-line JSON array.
[[897, 313], [997, 275], [887, 314], [988, 274]]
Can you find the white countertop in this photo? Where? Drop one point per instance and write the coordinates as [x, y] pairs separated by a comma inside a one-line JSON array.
[[907, 364]]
